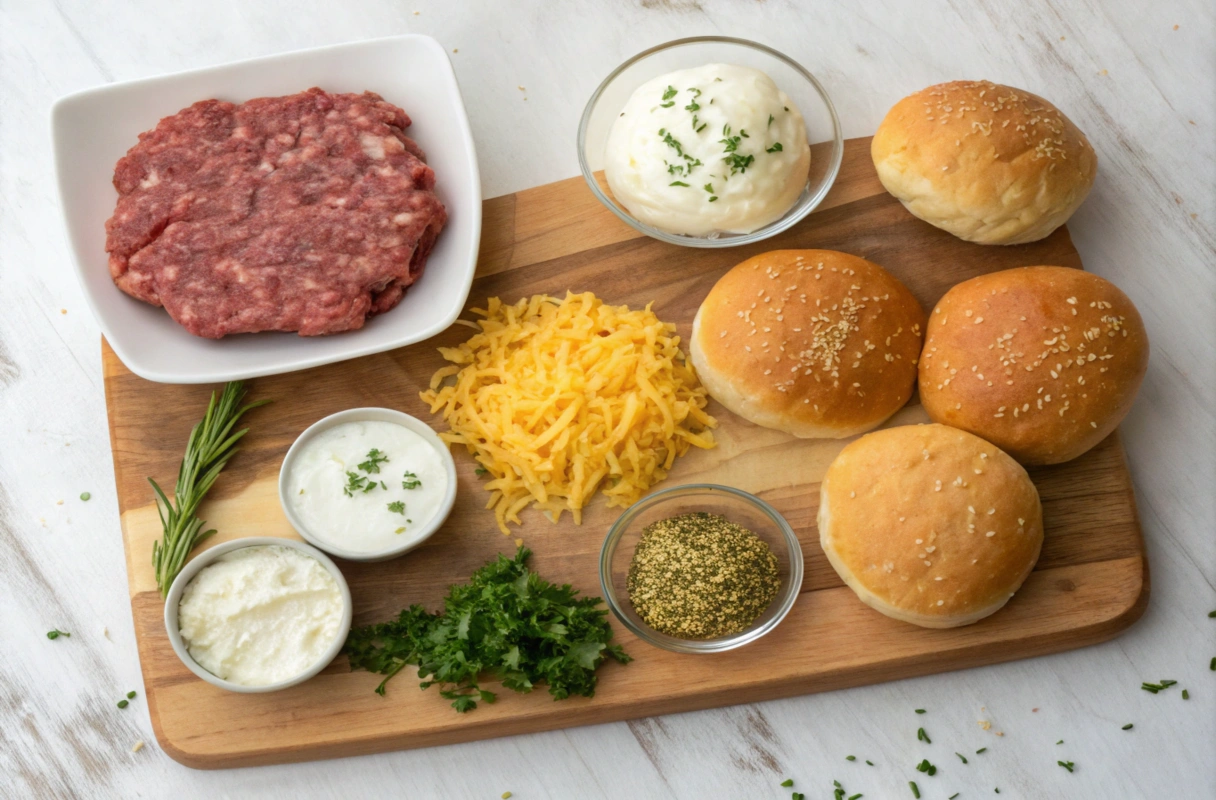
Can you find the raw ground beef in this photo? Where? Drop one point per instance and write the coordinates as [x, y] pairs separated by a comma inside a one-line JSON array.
[[308, 213]]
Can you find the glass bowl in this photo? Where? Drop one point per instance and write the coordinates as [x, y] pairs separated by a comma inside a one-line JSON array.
[[823, 126], [737, 506]]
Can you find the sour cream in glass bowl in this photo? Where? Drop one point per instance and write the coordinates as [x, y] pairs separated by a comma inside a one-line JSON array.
[[710, 117]]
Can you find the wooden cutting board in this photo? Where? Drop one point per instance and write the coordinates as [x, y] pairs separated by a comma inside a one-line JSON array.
[[1090, 583]]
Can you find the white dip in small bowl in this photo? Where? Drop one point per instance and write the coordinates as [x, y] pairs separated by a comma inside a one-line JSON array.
[[367, 484]]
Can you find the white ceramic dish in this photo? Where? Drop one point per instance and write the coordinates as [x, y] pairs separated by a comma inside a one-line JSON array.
[[365, 415], [92, 129], [174, 598]]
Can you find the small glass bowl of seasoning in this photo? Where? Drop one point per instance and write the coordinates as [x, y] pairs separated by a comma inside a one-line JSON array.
[[701, 568]]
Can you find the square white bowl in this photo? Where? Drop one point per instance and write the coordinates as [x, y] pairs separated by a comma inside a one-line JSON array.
[[92, 129]]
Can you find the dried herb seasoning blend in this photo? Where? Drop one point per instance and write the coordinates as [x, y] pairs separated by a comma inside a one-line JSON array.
[[701, 576]]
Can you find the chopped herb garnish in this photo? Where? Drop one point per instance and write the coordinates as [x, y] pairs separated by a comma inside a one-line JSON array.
[[374, 459], [693, 106], [961, 757], [981, 750], [797, 796], [131, 695], [1212, 615], [1060, 742], [1212, 665], [787, 108], [55, 634], [712, 199], [868, 761], [726, 130], [951, 797], [788, 782], [399, 530], [397, 507], [123, 704], [743, 133], [1186, 695], [410, 481], [717, 80], [505, 623], [739, 163], [776, 148], [770, 121], [850, 758], [356, 483], [1068, 765], [731, 143], [704, 125], [922, 736], [85, 496], [1127, 727], [855, 796], [920, 711], [925, 767], [667, 95], [678, 183], [915, 789], [709, 187]]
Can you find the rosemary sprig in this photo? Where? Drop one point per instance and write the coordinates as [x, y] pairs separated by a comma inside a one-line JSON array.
[[212, 442]]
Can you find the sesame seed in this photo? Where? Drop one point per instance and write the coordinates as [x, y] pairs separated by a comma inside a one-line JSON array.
[[990, 534]]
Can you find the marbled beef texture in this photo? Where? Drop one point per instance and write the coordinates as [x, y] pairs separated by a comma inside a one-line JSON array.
[[305, 213]]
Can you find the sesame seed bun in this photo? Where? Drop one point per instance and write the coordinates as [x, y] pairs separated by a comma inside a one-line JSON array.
[[989, 163], [816, 343], [1044, 362], [929, 524]]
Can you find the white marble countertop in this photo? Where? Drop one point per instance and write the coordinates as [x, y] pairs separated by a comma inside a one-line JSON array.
[[1139, 78]]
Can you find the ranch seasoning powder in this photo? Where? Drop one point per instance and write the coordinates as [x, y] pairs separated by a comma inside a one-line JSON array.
[[701, 576]]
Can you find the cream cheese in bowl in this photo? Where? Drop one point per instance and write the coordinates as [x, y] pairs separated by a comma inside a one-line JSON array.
[[367, 484], [716, 148]]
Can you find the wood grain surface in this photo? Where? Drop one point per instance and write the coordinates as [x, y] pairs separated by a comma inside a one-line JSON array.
[[1091, 581]]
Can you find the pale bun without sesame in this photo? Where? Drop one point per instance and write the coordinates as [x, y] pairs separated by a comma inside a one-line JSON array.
[[989, 163], [905, 515], [816, 343], [1044, 362]]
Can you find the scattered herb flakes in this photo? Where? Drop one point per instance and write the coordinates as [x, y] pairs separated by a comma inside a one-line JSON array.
[[668, 102], [857, 796], [357, 483], [769, 125], [850, 758], [951, 797], [481, 471], [85, 496], [1166, 683], [1212, 665], [1060, 742], [131, 695], [776, 148], [123, 703], [399, 530], [1212, 615], [868, 761], [981, 750], [56, 633], [1127, 727], [927, 768], [506, 796], [373, 461], [397, 507], [1068, 765], [797, 796], [961, 757], [919, 710], [678, 183], [922, 736], [410, 481], [507, 623], [915, 789], [788, 782], [1186, 695]]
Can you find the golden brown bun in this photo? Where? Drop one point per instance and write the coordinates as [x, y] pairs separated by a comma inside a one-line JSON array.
[[816, 343], [929, 524], [1044, 362], [989, 163]]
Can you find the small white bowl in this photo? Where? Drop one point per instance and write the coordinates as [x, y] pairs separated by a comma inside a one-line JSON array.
[[174, 598], [370, 415]]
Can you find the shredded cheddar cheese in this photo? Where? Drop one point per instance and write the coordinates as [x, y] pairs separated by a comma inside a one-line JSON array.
[[558, 398]]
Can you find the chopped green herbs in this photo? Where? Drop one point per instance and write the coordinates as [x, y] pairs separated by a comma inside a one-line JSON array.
[[922, 736], [506, 623], [678, 183], [738, 163], [776, 148], [850, 758], [131, 695], [410, 481], [1060, 742], [56, 633], [481, 471], [399, 530], [668, 102], [868, 761], [1068, 765], [85, 496], [925, 767], [731, 143], [981, 750], [397, 507], [1166, 683], [1212, 615], [788, 782], [1186, 695], [1212, 664], [915, 789], [374, 459], [1127, 727], [961, 757], [123, 703], [357, 483], [920, 711], [770, 121], [951, 797], [797, 796]]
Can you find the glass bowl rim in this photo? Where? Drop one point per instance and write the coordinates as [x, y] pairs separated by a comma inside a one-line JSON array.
[[787, 221], [786, 599]]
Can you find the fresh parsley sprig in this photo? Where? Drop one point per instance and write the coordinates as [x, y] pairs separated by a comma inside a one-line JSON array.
[[506, 623], [211, 444]]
